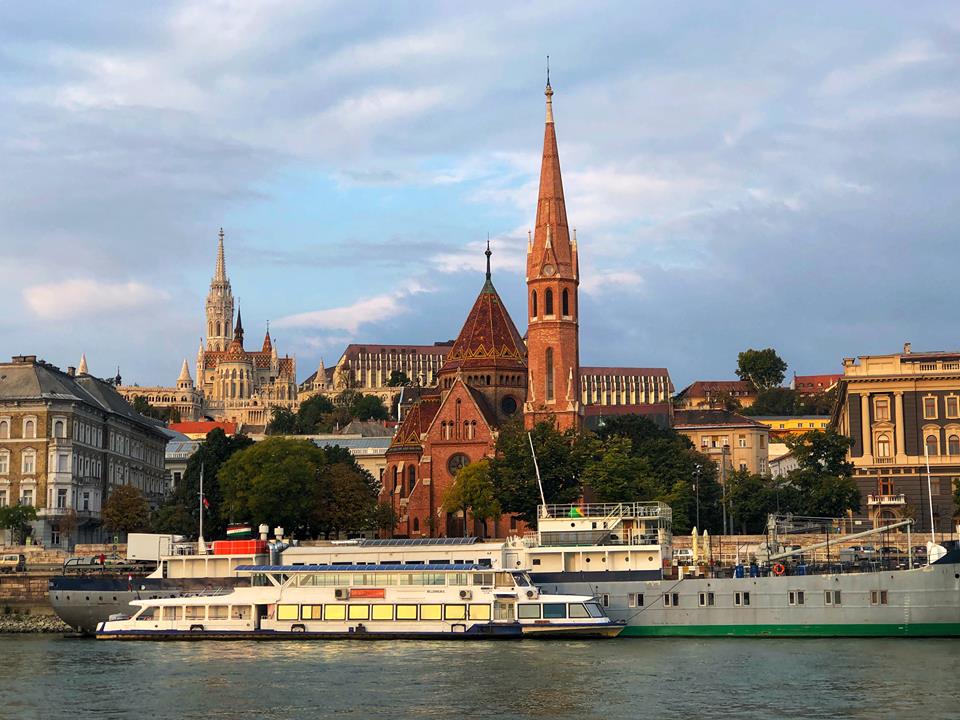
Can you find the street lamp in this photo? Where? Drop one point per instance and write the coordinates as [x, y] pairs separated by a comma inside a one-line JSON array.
[[696, 487]]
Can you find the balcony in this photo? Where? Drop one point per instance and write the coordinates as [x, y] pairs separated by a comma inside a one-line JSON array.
[[939, 366], [883, 460], [886, 500]]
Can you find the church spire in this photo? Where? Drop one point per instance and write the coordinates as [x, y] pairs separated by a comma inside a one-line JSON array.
[[220, 275], [82, 367], [488, 285], [238, 330]]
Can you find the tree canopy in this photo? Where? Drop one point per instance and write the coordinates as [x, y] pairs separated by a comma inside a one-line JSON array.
[[763, 368], [126, 510], [167, 415], [398, 378], [310, 491], [473, 491], [822, 485], [17, 519], [319, 414]]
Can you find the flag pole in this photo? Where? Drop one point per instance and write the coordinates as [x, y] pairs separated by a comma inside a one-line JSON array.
[[536, 467], [201, 544]]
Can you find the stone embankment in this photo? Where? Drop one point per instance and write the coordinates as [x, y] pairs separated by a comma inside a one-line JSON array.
[[15, 622]]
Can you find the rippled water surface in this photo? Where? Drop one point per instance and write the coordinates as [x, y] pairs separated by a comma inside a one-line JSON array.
[[54, 677]]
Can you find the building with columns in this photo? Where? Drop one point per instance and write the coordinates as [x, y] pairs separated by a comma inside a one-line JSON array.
[[67, 439], [182, 397], [900, 411]]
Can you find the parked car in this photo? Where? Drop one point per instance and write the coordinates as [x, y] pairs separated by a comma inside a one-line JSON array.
[[13, 563], [858, 553], [890, 551], [919, 553], [683, 556]]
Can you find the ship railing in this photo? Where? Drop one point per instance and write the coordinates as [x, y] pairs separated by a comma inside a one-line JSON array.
[[606, 510], [588, 538], [215, 592]]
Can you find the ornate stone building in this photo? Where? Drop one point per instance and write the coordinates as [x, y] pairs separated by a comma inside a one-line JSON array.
[[239, 385], [899, 410], [66, 440], [183, 397]]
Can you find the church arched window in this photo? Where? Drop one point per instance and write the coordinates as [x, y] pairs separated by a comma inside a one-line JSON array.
[[533, 302], [548, 302], [565, 303], [416, 524], [218, 328], [549, 363], [411, 478]]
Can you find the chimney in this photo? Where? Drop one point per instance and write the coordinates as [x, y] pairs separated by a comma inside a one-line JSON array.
[[907, 348], [71, 371]]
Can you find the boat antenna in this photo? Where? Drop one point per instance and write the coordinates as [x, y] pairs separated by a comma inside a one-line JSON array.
[[536, 468], [201, 544]]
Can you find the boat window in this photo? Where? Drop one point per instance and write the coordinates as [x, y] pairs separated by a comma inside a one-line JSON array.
[[288, 612], [195, 612], [827, 597], [504, 579], [594, 609], [406, 612], [485, 579], [521, 580], [335, 612], [554, 611], [217, 612], [430, 612], [146, 613], [836, 597], [311, 612], [458, 578], [455, 612], [528, 611], [358, 612], [479, 612], [173, 613], [240, 612], [577, 610], [383, 612]]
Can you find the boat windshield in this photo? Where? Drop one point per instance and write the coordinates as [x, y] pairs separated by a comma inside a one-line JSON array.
[[521, 579], [594, 609], [146, 613]]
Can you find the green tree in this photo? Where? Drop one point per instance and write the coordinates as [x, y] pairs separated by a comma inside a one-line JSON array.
[[212, 453], [818, 403], [283, 421], [126, 510], [173, 517], [822, 485], [618, 475], [763, 368], [312, 415], [397, 379], [775, 401], [684, 477], [473, 491], [561, 456], [17, 519], [368, 407], [751, 498], [167, 415], [308, 490]]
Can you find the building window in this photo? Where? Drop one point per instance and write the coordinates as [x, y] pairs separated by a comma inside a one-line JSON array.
[[3, 498], [953, 445], [742, 440], [565, 306], [883, 445], [416, 524], [743, 467], [26, 496], [4, 462], [61, 498], [881, 408], [548, 302], [29, 429], [930, 408], [86, 501], [29, 463], [534, 303], [953, 406], [59, 429], [549, 392], [411, 478], [932, 444], [4, 429], [456, 462]]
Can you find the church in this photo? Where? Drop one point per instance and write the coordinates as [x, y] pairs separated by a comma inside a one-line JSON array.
[[490, 374]]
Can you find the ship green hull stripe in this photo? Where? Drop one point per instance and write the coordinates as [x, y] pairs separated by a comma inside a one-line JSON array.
[[824, 630]]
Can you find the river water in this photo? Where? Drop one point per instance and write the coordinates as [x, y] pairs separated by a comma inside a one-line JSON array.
[[55, 677]]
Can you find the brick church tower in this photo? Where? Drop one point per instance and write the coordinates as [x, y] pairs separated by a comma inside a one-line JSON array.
[[553, 275]]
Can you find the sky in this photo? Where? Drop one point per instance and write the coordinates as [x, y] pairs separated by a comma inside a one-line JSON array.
[[739, 174]]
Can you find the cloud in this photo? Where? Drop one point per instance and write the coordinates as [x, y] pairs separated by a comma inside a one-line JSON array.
[[374, 309], [841, 81], [81, 297]]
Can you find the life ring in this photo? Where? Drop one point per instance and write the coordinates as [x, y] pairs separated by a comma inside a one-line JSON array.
[[779, 569]]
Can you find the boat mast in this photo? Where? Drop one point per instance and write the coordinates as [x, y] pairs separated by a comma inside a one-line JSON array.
[[926, 455], [201, 544], [536, 467]]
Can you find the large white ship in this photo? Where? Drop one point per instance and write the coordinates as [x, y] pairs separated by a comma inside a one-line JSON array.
[[622, 556]]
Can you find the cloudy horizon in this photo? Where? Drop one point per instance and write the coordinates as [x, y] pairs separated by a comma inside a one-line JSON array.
[[739, 176]]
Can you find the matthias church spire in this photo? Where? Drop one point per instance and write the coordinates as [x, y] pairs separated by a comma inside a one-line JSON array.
[[219, 307]]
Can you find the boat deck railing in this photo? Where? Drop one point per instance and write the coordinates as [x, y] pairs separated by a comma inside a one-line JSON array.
[[606, 510]]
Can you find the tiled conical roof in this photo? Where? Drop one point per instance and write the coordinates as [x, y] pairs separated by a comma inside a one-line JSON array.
[[489, 340]]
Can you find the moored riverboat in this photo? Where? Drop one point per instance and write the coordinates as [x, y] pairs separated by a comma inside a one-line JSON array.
[[370, 602]]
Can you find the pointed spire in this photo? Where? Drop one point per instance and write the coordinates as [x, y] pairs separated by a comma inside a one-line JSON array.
[[267, 342], [220, 275], [82, 367], [184, 374], [238, 329], [200, 351]]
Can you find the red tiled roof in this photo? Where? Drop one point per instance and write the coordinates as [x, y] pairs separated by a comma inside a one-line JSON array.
[[415, 423], [702, 387], [488, 340], [203, 426], [815, 381]]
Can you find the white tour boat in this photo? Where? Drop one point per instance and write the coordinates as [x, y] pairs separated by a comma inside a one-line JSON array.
[[367, 602]]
